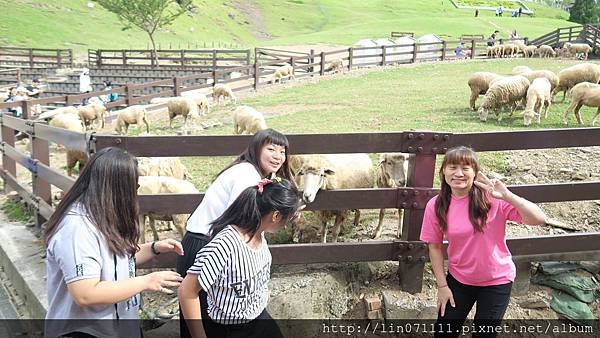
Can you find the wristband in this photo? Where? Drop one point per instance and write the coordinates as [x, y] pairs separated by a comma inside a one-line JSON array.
[[153, 249]]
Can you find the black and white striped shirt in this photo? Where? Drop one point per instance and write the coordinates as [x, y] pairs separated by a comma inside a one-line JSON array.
[[234, 276]]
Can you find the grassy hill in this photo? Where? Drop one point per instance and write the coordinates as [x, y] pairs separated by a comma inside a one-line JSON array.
[[72, 24]]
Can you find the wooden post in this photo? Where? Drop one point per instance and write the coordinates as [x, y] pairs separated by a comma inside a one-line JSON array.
[[99, 58], [124, 57], [8, 137], [415, 50], [182, 58], [472, 49], [58, 59], [444, 46], [70, 52], [214, 60], [350, 56], [26, 108], [40, 153], [129, 94], [383, 52], [176, 86], [311, 60], [30, 57], [322, 71], [256, 74]]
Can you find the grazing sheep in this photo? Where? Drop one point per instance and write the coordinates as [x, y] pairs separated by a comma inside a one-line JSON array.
[[529, 51], [71, 122], [283, 71], [336, 65], [179, 105], [497, 51], [393, 170], [249, 120], [480, 83], [510, 50], [92, 113], [538, 95], [222, 91], [578, 48], [569, 77], [518, 70], [162, 166], [551, 76], [545, 51], [130, 115], [584, 94], [506, 91], [330, 172], [61, 110], [201, 100], [152, 185]]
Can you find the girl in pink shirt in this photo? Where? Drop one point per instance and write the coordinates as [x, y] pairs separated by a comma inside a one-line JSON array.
[[471, 213]]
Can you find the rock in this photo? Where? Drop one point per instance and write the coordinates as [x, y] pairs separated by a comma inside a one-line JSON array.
[[534, 302], [529, 178], [580, 176], [566, 170], [559, 224], [13, 196], [526, 168], [402, 305]]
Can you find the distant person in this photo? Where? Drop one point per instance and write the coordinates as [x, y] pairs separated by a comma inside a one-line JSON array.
[[498, 11], [520, 11], [514, 35], [492, 39], [461, 51], [34, 88], [12, 97], [85, 84], [112, 97], [476, 12], [501, 10]]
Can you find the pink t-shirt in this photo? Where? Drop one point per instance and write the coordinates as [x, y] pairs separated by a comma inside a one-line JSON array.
[[474, 258]]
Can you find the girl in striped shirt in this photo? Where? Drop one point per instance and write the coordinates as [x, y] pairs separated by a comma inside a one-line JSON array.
[[234, 268]]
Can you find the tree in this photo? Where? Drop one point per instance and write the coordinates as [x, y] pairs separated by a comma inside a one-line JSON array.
[[585, 12], [147, 15]]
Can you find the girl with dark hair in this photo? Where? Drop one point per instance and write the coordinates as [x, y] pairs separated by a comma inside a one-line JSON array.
[[470, 212], [265, 156], [92, 251], [234, 268]]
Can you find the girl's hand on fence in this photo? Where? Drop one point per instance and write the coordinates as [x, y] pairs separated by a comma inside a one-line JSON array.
[[444, 297], [169, 245], [494, 186], [162, 281]]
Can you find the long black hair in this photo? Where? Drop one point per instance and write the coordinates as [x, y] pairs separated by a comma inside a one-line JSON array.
[[107, 191], [479, 204], [252, 152], [251, 206]]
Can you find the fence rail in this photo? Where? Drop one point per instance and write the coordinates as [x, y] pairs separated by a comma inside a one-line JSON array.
[[587, 33], [183, 58], [35, 57]]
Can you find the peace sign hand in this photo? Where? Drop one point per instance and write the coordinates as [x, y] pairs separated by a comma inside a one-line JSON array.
[[494, 186]]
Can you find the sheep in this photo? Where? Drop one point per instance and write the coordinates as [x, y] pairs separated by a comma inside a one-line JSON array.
[[286, 70], [538, 95], [520, 70], [179, 105], [201, 100], [60, 110], [162, 166], [577, 48], [584, 93], [222, 91], [569, 77], [551, 76], [330, 172], [497, 51], [546, 51], [393, 170], [150, 185], [92, 113], [71, 122], [130, 115], [529, 51], [506, 91], [249, 120], [479, 83], [509, 49], [336, 65]]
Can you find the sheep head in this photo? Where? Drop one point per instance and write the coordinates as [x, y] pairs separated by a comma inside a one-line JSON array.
[[394, 168], [312, 179]]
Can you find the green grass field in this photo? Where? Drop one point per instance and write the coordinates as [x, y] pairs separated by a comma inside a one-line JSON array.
[[71, 24]]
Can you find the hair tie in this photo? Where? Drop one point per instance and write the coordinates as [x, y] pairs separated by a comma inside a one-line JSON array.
[[261, 185]]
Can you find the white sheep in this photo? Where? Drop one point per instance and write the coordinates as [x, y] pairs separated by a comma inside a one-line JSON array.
[[131, 115], [530, 51], [249, 120], [550, 75], [510, 50], [393, 171], [578, 48], [330, 172], [223, 91], [497, 51], [545, 51], [286, 70], [538, 96], [506, 91], [584, 94], [336, 65], [92, 113], [201, 100], [479, 83], [569, 77], [60, 110], [520, 70], [152, 185], [73, 123], [162, 166], [184, 106]]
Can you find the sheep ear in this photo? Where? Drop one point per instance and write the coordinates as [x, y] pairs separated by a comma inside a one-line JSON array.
[[381, 158], [329, 172]]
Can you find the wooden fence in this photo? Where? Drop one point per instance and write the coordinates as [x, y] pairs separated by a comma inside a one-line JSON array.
[[401, 34], [35, 57], [589, 34], [12, 76], [184, 58], [408, 250]]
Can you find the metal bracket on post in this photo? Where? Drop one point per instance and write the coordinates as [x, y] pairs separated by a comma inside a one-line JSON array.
[[420, 142], [411, 260]]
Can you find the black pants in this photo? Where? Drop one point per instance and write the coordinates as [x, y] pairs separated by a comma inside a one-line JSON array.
[[492, 302], [192, 243], [262, 327]]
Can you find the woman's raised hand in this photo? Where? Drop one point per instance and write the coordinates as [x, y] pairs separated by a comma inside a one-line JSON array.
[[494, 186]]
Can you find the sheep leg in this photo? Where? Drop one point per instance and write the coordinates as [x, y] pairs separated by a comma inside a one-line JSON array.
[[379, 224], [152, 223], [170, 122], [71, 161], [473, 98], [356, 217], [146, 123], [595, 117], [566, 114], [547, 104], [126, 128], [578, 113], [142, 224], [400, 221], [324, 231], [339, 220]]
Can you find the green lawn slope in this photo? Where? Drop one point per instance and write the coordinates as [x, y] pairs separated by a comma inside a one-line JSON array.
[[72, 24]]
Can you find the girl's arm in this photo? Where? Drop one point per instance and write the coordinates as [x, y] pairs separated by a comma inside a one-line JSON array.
[[90, 292], [145, 253], [190, 305], [444, 295]]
